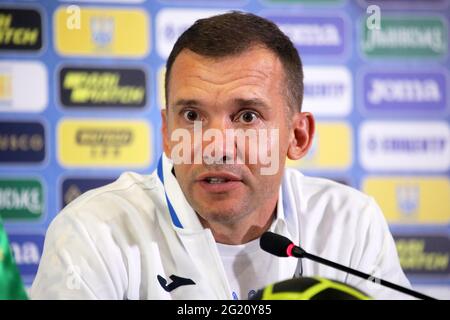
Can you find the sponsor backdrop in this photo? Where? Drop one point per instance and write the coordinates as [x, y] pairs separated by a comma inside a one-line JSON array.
[[81, 90]]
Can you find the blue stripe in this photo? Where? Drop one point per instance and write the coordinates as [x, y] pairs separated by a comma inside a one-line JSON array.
[[172, 212]]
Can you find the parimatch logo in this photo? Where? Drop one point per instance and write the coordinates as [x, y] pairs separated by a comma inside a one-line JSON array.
[[102, 87], [20, 29], [424, 255], [406, 36], [21, 199]]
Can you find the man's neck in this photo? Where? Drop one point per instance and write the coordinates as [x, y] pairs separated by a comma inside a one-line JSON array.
[[242, 231]]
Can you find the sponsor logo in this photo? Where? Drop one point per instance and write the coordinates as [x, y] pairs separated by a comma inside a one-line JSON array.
[[20, 29], [103, 32], [175, 283], [72, 188], [415, 200], [21, 199], [314, 35], [406, 37], [284, 2], [171, 23], [407, 196], [109, 1], [5, 86], [14, 76], [405, 91], [325, 153], [407, 4], [22, 142], [27, 251], [191, 2], [404, 146], [102, 87], [426, 255], [327, 95], [105, 143]]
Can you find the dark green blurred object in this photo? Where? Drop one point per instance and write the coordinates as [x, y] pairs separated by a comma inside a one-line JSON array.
[[11, 286]]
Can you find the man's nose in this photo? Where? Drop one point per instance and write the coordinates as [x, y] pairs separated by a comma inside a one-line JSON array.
[[221, 149]]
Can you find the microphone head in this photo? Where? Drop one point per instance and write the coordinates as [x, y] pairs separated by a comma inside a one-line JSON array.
[[275, 244]]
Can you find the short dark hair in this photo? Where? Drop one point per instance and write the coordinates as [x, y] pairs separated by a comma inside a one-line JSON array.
[[233, 33]]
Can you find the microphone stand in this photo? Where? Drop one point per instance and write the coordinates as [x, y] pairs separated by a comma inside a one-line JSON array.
[[300, 253]]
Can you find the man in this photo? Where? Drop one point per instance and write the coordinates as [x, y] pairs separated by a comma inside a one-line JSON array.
[[191, 229]]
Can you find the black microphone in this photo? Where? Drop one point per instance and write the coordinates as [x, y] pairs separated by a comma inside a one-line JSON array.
[[283, 247]]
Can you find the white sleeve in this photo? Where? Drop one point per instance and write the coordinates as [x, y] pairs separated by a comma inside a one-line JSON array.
[[74, 264], [375, 253]]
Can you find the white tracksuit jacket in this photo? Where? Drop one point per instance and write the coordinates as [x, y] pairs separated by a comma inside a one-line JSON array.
[[114, 242]]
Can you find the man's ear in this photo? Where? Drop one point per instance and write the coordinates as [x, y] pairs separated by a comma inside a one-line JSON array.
[[302, 134], [165, 132]]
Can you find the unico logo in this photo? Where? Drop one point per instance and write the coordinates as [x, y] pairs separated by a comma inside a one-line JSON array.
[[22, 142]]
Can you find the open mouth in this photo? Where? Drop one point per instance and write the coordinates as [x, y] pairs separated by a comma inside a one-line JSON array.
[[216, 180]]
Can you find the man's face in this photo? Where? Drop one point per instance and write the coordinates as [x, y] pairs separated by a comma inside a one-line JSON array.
[[244, 92]]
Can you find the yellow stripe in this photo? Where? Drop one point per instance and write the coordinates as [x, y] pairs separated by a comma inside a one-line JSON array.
[[323, 284], [268, 293], [344, 288], [309, 293]]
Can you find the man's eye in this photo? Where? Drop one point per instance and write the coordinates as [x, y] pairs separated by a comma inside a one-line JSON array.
[[191, 115], [248, 117]]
